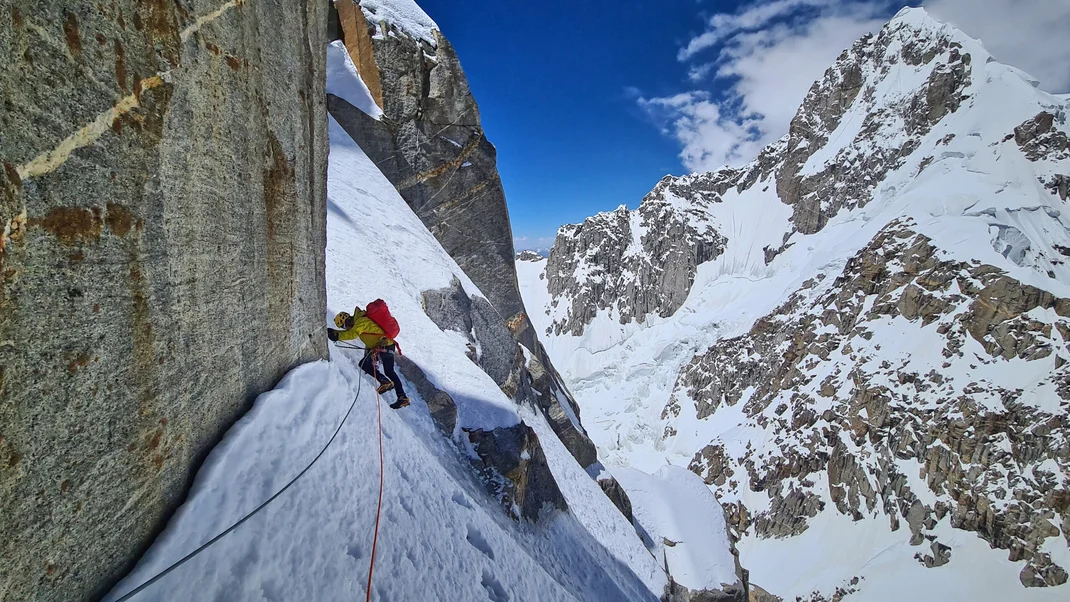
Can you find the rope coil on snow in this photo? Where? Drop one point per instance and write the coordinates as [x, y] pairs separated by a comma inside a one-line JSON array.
[[231, 528]]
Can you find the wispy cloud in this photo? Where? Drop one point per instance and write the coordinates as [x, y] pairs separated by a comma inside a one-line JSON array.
[[710, 138], [698, 73], [749, 70], [764, 58], [722, 26], [1033, 36]]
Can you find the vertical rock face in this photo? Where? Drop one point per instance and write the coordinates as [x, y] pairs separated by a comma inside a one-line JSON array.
[[163, 202]]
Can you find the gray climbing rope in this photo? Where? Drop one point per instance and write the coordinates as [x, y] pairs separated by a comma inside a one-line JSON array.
[[231, 528]]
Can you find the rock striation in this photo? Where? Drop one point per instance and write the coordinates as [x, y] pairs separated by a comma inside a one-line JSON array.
[[163, 207]]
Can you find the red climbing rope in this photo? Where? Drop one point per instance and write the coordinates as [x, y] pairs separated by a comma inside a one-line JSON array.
[[379, 511]]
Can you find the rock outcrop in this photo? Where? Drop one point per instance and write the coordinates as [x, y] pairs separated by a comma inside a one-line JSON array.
[[811, 374], [528, 256], [163, 202], [515, 467], [510, 460], [524, 375], [618, 496], [635, 263]]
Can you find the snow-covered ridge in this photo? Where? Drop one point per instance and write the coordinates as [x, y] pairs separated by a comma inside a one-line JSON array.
[[345, 82], [893, 279], [405, 15]]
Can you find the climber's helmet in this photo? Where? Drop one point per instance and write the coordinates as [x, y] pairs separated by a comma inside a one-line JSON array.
[[343, 320]]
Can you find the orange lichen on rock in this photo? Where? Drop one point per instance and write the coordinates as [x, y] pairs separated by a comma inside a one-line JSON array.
[[359, 44]]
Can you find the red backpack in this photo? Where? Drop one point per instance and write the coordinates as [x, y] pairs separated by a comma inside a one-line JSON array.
[[379, 313]]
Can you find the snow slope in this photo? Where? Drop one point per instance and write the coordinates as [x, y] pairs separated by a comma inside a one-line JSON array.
[[442, 537], [685, 524], [967, 185]]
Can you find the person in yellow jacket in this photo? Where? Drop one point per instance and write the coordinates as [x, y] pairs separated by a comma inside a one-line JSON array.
[[360, 326]]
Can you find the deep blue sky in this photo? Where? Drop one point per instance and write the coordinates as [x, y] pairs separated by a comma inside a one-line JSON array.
[[550, 80]]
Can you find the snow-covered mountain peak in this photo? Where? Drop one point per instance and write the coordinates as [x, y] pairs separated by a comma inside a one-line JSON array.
[[866, 326], [876, 138], [918, 20]]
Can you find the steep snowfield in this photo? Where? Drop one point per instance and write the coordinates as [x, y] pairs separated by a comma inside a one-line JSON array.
[[966, 185], [684, 522], [443, 537]]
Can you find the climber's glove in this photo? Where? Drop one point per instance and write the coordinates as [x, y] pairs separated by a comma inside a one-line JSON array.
[[332, 334]]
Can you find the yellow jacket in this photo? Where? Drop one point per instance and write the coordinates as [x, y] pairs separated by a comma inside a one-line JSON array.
[[366, 330]]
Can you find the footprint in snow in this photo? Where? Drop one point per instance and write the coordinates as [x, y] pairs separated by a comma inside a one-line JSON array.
[[353, 551], [271, 592], [479, 542], [407, 506], [494, 588], [460, 500]]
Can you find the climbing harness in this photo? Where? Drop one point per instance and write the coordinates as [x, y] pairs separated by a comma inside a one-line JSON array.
[[231, 528]]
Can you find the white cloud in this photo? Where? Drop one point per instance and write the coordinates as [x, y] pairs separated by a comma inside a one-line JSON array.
[[721, 26], [1033, 36], [766, 55], [769, 55], [698, 73], [773, 69], [710, 138]]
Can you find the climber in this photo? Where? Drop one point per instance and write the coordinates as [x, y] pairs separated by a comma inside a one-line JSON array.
[[376, 329]]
